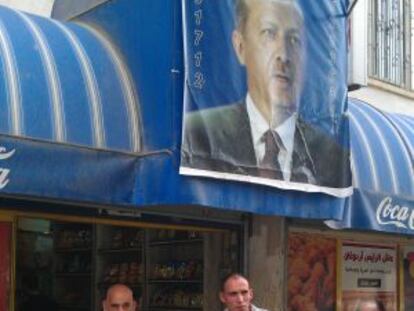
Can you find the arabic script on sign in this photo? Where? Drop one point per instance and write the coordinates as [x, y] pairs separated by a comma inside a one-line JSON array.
[[4, 172]]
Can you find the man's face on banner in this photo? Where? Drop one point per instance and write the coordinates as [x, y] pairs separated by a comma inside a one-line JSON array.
[[269, 44]]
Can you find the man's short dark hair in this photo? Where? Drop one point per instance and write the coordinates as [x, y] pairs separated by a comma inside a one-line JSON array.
[[231, 276]]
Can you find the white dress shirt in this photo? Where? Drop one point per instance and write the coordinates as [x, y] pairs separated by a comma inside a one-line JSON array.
[[286, 131]]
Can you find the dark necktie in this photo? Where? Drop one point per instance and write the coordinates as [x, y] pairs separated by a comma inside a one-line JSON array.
[[269, 166]]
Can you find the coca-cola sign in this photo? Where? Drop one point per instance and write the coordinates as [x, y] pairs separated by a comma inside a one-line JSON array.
[[4, 172], [390, 213]]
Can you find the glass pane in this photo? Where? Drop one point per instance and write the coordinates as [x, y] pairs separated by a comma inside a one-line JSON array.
[[34, 265], [5, 251], [73, 264]]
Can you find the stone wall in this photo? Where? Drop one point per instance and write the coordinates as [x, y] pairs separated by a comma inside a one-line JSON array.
[[267, 261]]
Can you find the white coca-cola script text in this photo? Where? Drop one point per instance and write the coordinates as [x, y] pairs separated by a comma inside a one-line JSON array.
[[400, 216], [4, 172]]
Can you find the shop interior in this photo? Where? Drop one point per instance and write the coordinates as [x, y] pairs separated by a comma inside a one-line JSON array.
[[168, 267]]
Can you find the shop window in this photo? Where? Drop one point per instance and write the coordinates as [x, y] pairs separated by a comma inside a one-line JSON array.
[[408, 275], [34, 262], [390, 42], [167, 269], [5, 266]]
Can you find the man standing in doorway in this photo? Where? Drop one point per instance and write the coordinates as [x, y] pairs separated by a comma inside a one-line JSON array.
[[236, 294]]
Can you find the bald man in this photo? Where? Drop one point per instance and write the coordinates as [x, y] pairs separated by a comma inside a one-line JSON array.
[[119, 297]]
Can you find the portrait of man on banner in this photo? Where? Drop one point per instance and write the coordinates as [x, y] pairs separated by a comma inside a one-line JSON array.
[[262, 137]]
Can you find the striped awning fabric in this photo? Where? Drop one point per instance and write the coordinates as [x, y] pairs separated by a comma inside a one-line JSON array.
[[382, 147], [382, 160], [66, 83]]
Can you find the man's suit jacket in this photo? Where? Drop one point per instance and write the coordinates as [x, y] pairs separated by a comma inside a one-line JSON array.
[[219, 139]]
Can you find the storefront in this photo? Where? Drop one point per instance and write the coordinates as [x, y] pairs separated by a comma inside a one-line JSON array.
[[169, 266]]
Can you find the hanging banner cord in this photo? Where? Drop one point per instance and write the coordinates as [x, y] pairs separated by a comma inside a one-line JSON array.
[[351, 8]]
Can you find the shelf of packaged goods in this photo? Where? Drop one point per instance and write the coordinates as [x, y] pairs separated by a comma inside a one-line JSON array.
[[73, 274], [175, 242], [107, 284], [119, 250], [73, 306], [169, 281], [73, 250]]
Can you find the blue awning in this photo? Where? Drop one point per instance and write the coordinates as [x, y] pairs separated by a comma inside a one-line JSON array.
[[69, 112], [71, 129], [66, 83], [382, 159]]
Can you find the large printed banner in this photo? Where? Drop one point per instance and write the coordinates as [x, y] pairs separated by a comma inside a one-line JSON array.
[[265, 93], [369, 277]]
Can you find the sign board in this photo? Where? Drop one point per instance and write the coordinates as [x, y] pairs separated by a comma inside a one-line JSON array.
[[369, 276]]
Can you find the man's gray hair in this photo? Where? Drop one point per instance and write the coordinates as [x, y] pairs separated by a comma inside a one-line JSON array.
[[241, 14], [242, 11]]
